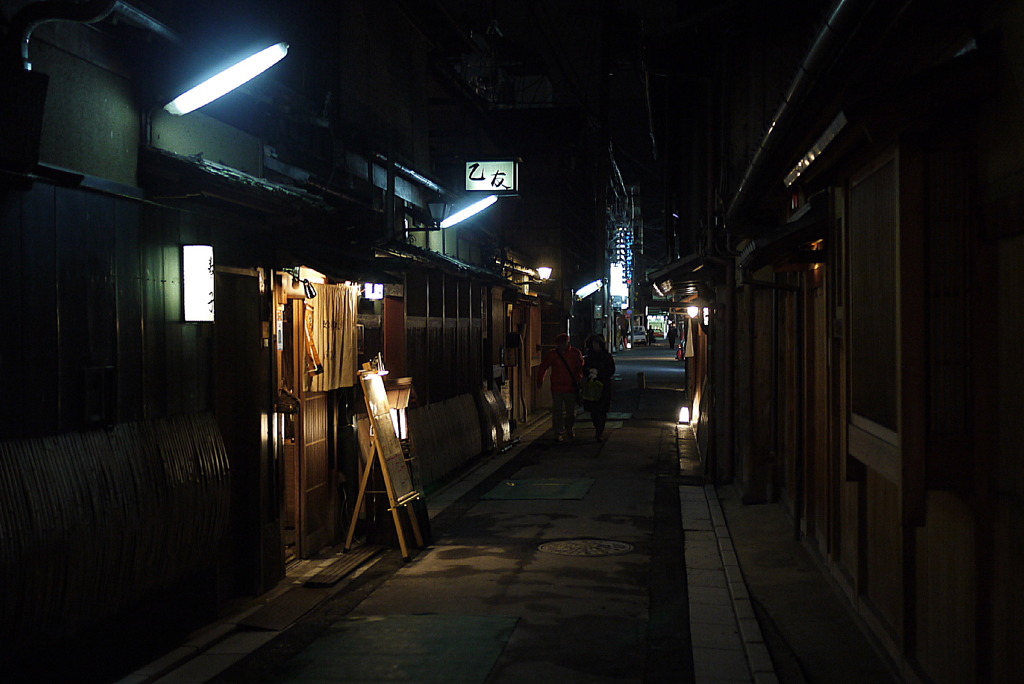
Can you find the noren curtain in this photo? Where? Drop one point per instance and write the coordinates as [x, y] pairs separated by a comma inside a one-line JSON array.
[[333, 332]]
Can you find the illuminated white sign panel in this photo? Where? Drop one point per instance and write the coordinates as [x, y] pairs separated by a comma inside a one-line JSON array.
[[373, 290], [618, 286], [492, 176], [197, 282]]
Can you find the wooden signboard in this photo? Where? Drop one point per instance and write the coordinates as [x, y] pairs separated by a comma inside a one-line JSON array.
[[389, 449], [388, 455]]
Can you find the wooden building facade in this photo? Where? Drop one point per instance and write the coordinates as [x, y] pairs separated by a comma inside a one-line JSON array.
[[147, 460], [862, 342]]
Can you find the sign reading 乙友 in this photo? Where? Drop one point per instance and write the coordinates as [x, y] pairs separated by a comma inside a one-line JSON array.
[[492, 176]]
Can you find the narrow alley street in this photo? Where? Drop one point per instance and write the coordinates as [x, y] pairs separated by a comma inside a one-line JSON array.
[[565, 562]]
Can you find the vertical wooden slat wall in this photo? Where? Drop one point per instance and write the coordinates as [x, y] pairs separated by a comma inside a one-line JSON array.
[[449, 434], [112, 467]]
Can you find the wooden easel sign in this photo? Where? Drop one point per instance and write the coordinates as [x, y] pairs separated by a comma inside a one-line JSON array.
[[389, 457]]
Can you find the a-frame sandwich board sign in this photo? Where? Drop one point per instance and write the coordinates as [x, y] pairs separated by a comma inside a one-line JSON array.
[[388, 455]]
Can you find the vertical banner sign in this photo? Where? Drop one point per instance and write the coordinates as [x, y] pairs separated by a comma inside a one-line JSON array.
[[197, 282], [492, 176]]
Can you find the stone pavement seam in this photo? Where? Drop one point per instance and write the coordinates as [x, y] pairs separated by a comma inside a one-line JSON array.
[[758, 658], [727, 641]]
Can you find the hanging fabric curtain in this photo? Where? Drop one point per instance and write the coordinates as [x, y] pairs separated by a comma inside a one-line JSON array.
[[691, 338], [335, 314]]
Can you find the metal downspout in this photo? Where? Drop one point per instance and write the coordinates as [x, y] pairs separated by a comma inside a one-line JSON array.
[[135, 16], [34, 15], [839, 26], [721, 462], [798, 457], [30, 17]]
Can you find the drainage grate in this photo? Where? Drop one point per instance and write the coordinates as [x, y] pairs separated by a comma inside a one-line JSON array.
[[586, 547]]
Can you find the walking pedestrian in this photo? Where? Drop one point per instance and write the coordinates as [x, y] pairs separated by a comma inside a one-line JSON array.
[[598, 364], [672, 333], [566, 364]]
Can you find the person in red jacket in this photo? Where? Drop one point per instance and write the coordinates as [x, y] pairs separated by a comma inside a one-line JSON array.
[[566, 364]]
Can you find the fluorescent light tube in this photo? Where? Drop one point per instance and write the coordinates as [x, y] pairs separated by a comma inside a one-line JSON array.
[[589, 289], [227, 80], [472, 209]]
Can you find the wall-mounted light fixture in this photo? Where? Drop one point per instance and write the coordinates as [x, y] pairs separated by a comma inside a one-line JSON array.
[[240, 73], [817, 148], [589, 288], [692, 311], [438, 212], [684, 415], [471, 210], [543, 272], [197, 282]]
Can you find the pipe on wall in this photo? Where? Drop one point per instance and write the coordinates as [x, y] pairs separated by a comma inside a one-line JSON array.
[[133, 15], [32, 16], [841, 24], [798, 456]]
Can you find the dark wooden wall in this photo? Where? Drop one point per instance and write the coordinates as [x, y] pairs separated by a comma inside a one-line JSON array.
[[109, 437], [443, 328], [94, 320]]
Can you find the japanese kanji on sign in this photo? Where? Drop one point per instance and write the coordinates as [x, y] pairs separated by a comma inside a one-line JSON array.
[[492, 176]]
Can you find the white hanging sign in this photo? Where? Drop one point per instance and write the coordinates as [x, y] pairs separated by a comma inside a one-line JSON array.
[[197, 282], [492, 176]]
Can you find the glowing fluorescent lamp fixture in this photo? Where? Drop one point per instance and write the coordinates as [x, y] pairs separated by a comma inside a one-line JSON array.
[[543, 272], [589, 289], [471, 210], [197, 282], [227, 80]]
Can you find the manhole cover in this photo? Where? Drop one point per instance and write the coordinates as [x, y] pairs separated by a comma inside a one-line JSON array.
[[586, 547]]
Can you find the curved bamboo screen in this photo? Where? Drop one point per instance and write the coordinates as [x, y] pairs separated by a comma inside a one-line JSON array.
[[90, 522]]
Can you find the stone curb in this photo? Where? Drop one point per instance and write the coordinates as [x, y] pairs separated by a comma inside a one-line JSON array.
[[759, 666], [758, 659]]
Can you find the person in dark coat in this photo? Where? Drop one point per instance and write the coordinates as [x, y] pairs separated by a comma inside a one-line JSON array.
[[599, 364], [672, 336]]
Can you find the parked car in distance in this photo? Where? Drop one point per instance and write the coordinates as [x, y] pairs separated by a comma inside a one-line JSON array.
[[638, 335]]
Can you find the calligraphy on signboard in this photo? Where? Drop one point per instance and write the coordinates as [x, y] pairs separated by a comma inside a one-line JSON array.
[[492, 176]]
